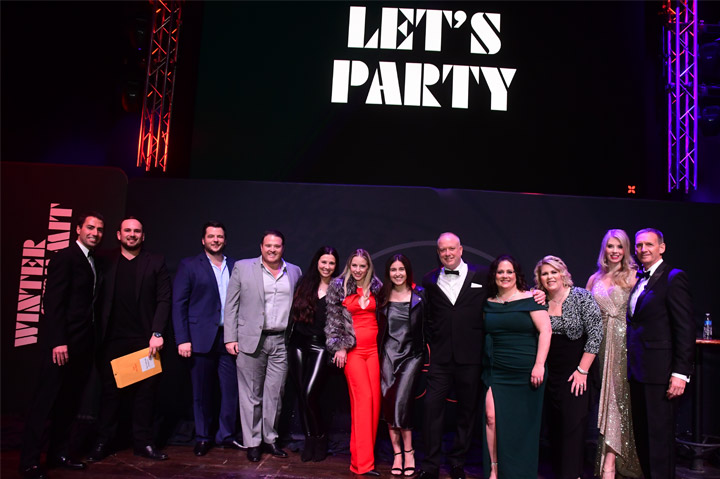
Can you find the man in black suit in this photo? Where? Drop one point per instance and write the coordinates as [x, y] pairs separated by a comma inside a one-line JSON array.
[[661, 345], [67, 339], [454, 329], [136, 309], [198, 318]]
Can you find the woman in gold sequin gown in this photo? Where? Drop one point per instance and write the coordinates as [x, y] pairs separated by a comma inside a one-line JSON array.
[[611, 285]]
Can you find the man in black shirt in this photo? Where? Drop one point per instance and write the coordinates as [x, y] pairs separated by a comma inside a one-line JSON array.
[[136, 308]]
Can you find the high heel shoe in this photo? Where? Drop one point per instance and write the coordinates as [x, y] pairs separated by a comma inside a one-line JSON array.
[[409, 471], [398, 471]]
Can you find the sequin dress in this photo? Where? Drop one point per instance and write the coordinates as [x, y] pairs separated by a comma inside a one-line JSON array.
[[614, 418]]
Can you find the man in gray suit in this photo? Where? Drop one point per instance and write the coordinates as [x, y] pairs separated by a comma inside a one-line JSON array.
[[257, 309]]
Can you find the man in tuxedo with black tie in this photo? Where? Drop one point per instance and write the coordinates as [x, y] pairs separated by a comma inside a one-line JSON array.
[[661, 346], [66, 342], [454, 331]]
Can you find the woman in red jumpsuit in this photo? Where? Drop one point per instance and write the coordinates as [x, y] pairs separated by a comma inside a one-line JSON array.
[[352, 333]]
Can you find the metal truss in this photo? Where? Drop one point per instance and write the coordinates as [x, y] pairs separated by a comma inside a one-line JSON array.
[[158, 98], [681, 54]]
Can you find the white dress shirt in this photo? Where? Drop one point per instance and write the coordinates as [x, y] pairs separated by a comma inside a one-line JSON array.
[[451, 284], [641, 287]]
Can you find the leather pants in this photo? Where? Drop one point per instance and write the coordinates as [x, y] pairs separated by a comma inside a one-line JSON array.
[[309, 368]]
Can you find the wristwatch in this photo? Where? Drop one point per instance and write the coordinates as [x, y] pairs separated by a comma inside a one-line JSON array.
[[157, 335]]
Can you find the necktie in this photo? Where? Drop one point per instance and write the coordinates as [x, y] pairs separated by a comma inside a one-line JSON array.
[[449, 271], [642, 275]]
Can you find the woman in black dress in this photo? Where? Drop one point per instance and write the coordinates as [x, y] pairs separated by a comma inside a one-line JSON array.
[[308, 359], [401, 308], [576, 337]]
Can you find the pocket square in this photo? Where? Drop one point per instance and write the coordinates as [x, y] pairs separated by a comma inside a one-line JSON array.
[[475, 285]]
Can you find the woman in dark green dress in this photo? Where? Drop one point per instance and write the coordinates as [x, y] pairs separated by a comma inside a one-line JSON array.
[[517, 341]]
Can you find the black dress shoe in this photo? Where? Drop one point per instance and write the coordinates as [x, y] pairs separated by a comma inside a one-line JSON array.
[[371, 473], [201, 448], [457, 472], [232, 445], [427, 475], [66, 462], [253, 454], [150, 452], [98, 453], [275, 451], [33, 472]]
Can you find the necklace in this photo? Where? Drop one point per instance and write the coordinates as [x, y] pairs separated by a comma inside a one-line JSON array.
[[499, 299], [563, 295]]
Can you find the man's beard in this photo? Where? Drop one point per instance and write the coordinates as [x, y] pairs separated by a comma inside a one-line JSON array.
[[209, 251], [134, 247]]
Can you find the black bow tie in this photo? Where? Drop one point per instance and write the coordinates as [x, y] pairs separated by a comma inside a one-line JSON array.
[[449, 271], [642, 275]]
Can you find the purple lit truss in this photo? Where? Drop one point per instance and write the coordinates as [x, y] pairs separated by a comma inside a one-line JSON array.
[[681, 54]]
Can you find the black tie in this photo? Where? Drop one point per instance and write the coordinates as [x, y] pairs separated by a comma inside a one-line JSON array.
[[449, 271], [642, 275]]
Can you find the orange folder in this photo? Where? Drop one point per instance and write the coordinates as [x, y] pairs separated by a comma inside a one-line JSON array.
[[135, 367]]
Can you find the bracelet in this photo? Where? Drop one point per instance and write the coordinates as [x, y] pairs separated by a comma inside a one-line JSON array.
[[582, 371]]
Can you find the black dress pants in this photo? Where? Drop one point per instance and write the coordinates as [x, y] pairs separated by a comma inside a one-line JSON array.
[[140, 397], [654, 427], [57, 398], [465, 378]]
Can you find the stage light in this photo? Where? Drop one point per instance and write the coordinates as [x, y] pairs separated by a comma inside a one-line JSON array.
[[631, 189], [709, 62], [132, 96], [709, 120]]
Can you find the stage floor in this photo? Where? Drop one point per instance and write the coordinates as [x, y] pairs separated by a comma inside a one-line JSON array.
[[227, 464]]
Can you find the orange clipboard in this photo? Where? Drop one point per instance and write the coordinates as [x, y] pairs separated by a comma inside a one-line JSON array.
[[135, 367]]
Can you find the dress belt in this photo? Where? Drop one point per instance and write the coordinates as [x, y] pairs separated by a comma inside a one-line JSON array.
[[270, 332]]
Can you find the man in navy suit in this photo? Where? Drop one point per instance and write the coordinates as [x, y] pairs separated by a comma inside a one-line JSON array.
[[661, 348], [198, 318], [66, 341]]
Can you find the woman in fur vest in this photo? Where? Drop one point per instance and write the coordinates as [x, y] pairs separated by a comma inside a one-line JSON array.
[[352, 330]]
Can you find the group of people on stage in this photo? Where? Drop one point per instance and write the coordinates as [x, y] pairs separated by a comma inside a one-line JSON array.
[[485, 333]]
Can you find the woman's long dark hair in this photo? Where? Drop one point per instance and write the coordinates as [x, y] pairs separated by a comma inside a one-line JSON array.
[[520, 277], [384, 294], [305, 299]]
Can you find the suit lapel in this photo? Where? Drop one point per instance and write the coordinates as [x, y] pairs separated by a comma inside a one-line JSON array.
[[438, 290], [207, 268], [468, 280], [648, 287], [258, 277]]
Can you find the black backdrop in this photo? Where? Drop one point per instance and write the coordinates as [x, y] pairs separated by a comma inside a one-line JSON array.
[[382, 220], [385, 220]]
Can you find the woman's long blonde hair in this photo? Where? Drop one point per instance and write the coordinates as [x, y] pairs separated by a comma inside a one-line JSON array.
[[346, 274], [624, 274]]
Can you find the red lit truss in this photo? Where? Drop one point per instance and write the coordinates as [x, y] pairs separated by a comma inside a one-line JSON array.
[[158, 98]]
